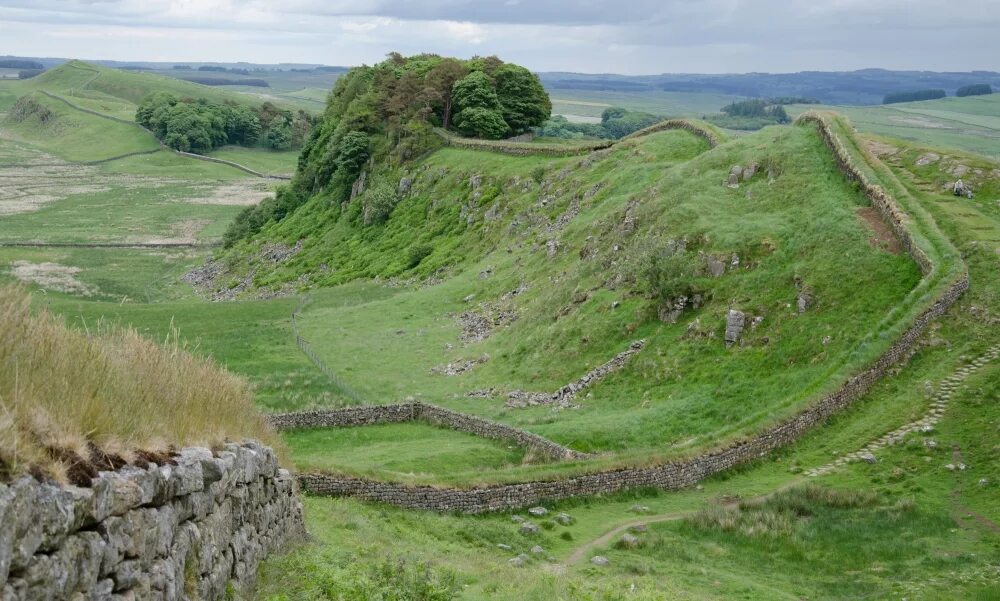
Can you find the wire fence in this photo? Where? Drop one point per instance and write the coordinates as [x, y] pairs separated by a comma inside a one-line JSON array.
[[303, 345]]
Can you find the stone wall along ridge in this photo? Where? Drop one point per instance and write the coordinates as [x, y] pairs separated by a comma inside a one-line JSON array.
[[561, 150], [682, 473], [193, 529]]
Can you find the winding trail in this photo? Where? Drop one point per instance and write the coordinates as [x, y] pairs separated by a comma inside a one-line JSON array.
[[605, 539], [939, 402]]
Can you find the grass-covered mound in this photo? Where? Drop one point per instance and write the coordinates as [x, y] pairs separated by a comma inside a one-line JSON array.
[[601, 251], [73, 402]]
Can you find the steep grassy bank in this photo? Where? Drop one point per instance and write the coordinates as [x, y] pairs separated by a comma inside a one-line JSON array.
[[74, 402]]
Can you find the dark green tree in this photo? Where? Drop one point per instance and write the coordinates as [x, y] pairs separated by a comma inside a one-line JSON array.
[[523, 101]]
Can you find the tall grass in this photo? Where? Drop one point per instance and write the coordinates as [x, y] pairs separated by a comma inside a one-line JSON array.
[[107, 392]]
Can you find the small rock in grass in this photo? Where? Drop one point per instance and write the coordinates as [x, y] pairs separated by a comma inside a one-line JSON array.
[[629, 541], [564, 519], [599, 560], [517, 518], [638, 509], [538, 511], [529, 528], [983, 482], [868, 458], [537, 549], [639, 528], [504, 547], [518, 561]]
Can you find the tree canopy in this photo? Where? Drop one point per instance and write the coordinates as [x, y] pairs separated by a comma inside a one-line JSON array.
[[198, 125]]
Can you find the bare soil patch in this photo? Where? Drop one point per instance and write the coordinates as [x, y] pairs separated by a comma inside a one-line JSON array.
[[884, 237], [242, 193], [52, 276]]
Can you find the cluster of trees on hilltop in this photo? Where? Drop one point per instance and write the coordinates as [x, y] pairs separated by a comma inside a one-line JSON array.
[[199, 125], [753, 113], [913, 96], [386, 113], [616, 122], [977, 89]]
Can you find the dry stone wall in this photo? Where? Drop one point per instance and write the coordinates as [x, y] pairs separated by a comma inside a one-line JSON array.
[[194, 529], [678, 474], [439, 416], [515, 148]]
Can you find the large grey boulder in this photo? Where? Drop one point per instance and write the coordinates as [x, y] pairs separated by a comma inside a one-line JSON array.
[[735, 322]]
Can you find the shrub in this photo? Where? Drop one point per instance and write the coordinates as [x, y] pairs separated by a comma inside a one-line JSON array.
[[417, 253], [379, 201]]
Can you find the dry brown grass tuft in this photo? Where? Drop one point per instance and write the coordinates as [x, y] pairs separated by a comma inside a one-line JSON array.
[[107, 395]]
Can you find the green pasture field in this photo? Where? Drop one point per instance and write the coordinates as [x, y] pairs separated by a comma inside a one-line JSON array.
[[591, 103], [271, 162], [400, 450], [971, 124]]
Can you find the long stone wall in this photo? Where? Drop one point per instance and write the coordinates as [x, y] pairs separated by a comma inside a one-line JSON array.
[[406, 412], [561, 150], [193, 529], [678, 474]]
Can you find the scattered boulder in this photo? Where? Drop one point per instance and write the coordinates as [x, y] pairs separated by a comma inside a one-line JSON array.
[[804, 300], [599, 560], [716, 267], [628, 541], [527, 528], [639, 509], [927, 158], [537, 549], [517, 518], [504, 547], [868, 458], [405, 183], [960, 188], [735, 322], [564, 519], [749, 172], [733, 181], [538, 511], [518, 561]]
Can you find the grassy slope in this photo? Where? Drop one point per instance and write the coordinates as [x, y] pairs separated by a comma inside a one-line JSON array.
[[117, 93], [77, 136], [677, 394], [917, 541], [62, 390]]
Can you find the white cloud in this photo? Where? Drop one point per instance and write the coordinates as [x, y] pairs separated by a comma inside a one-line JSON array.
[[633, 36]]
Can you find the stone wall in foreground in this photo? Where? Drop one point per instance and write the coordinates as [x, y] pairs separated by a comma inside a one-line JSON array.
[[196, 529]]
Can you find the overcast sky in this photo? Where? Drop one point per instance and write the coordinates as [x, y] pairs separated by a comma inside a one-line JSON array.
[[620, 36]]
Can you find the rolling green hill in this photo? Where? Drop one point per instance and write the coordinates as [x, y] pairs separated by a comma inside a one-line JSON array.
[[510, 270]]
